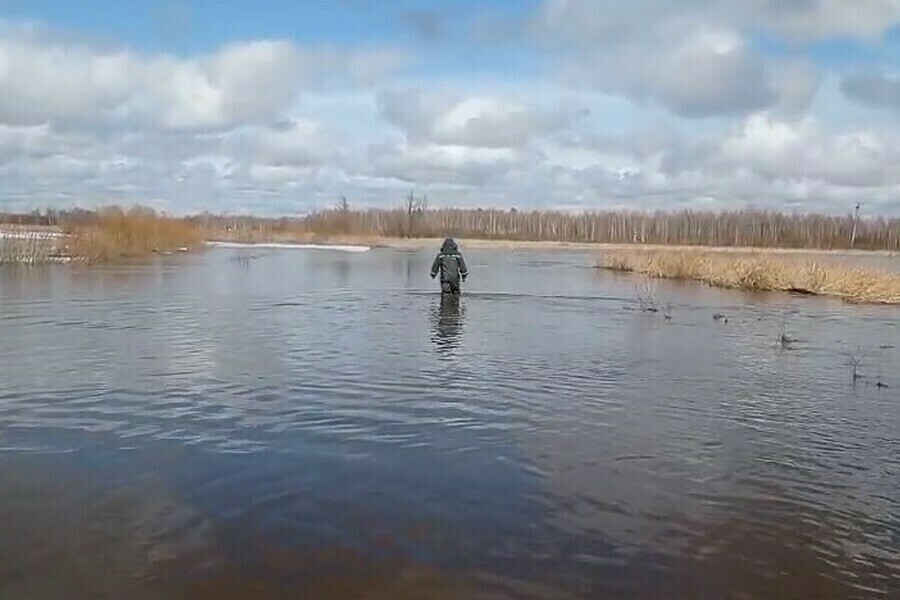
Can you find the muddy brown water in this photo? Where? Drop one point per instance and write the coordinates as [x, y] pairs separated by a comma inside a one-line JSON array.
[[314, 423]]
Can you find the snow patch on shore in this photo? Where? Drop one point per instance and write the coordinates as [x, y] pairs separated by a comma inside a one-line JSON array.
[[288, 246]]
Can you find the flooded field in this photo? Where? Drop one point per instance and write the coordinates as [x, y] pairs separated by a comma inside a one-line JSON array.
[[272, 422]]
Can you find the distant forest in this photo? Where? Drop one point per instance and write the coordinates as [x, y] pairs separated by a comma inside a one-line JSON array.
[[746, 228], [733, 228]]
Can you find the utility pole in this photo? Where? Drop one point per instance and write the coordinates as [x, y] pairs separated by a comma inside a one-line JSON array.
[[855, 220]]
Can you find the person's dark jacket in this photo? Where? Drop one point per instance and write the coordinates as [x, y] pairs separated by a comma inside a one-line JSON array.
[[450, 263]]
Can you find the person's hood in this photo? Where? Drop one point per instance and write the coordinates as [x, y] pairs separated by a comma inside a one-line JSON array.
[[449, 246]]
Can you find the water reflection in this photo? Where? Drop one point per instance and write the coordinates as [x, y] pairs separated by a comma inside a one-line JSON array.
[[448, 323]]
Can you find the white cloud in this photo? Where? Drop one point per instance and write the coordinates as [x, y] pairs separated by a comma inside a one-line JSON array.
[[764, 161], [33, 142], [478, 121], [271, 126], [708, 71], [696, 57], [692, 67], [821, 19], [615, 22], [470, 141], [245, 82], [800, 151], [45, 78], [41, 80], [288, 144], [433, 164], [413, 111]]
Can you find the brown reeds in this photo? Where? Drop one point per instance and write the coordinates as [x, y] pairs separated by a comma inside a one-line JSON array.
[[760, 272], [117, 234]]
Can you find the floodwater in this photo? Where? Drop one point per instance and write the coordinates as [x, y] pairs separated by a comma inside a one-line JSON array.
[[297, 423]]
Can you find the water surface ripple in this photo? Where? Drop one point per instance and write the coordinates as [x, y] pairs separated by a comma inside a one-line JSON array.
[[319, 423]]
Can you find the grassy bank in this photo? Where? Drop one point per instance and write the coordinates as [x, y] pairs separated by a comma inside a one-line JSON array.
[[758, 271], [115, 234], [109, 235]]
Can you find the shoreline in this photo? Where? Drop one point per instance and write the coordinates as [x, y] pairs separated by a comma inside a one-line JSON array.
[[37, 244], [500, 244], [760, 272]]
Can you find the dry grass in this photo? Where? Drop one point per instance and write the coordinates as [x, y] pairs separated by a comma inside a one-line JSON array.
[[116, 235], [29, 249], [753, 271]]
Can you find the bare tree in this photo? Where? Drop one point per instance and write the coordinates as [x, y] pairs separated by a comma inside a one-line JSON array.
[[415, 208], [741, 228], [748, 228], [343, 209], [855, 222]]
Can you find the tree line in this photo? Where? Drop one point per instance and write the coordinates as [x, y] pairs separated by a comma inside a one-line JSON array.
[[743, 228]]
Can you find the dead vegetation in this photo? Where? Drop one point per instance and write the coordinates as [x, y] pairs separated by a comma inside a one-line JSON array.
[[758, 272], [118, 234], [28, 248], [647, 298], [855, 360], [110, 234]]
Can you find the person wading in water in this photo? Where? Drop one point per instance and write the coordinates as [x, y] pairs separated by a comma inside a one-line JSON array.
[[449, 262]]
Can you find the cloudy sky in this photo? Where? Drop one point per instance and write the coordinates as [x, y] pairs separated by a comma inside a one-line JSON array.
[[280, 106]]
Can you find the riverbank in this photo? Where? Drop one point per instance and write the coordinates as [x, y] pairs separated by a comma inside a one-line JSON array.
[[111, 235], [765, 270], [421, 243], [116, 235]]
